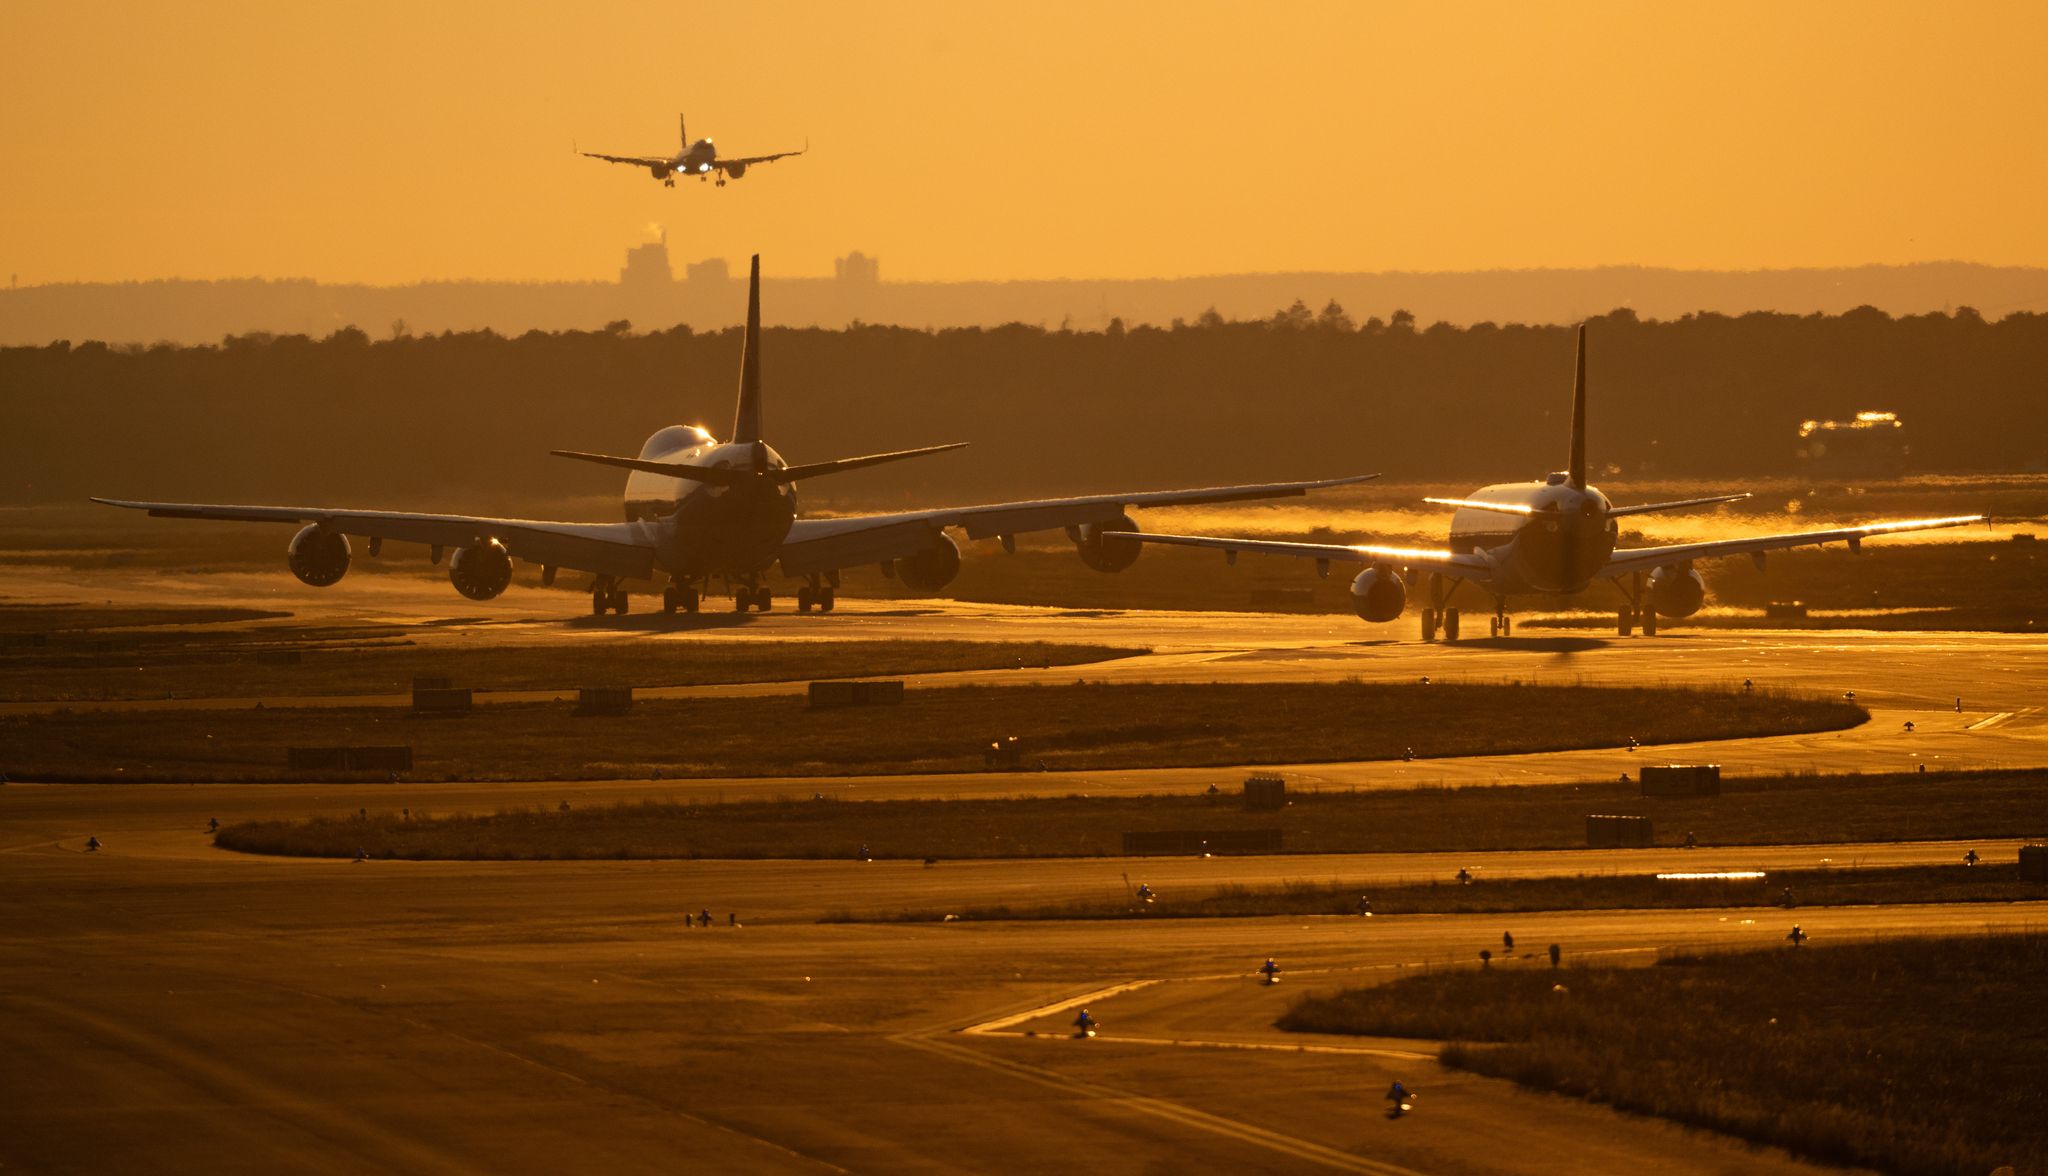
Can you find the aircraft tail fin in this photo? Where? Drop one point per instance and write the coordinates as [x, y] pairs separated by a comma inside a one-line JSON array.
[[746, 420], [683, 131], [1576, 470]]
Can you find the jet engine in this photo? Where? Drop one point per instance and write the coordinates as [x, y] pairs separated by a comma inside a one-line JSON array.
[[318, 556], [481, 572], [1676, 590], [735, 170], [1378, 595], [934, 567], [1101, 549], [661, 172]]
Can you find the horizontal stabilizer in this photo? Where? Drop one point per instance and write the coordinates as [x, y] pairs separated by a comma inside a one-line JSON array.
[[1652, 507], [717, 476], [795, 473], [672, 469]]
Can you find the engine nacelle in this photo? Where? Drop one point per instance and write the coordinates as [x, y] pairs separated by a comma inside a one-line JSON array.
[[481, 572], [933, 568], [1676, 590], [735, 170], [660, 171], [1378, 595], [1101, 549], [318, 556]]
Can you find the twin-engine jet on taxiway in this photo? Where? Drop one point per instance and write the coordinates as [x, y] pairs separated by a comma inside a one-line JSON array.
[[1552, 537], [699, 159], [698, 509]]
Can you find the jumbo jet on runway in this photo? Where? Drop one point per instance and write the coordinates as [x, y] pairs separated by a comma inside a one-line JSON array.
[[698, 509], [698, 159], [1552, 537]]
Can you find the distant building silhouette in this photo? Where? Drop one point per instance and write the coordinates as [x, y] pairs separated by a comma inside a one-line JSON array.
[[858, 269], [711, 269], [647, 266]]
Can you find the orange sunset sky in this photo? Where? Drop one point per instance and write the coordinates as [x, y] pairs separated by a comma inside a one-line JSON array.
[[393, 142]]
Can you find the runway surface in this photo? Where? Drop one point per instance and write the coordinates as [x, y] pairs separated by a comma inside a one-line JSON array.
[[165, 1005]]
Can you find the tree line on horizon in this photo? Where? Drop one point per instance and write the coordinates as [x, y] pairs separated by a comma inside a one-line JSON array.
[[422, 420]]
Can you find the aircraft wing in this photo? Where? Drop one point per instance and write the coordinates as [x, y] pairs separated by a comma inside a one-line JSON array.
[[751, 160], [822, 545], [622, 550], [635, 160], [1408, 557], [1642, 559]]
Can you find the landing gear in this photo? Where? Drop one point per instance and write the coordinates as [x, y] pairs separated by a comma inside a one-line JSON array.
[[1437, 615], [1635, 609], [754, 596], [679, 596], [1501, 625], [607, 596], [814, 596]]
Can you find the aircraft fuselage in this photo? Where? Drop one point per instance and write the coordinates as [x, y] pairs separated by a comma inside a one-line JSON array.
[[708, 530], [696, 160], [1557, 548]]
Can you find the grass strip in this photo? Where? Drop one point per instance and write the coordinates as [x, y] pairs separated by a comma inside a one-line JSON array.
[[1750, 811], [1912, 1056], [1808, 888], [1083, 726], [338, 662]]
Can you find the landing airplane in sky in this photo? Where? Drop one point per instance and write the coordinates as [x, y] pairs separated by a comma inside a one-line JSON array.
[[698, 159], [698, 509], [1556, 537]]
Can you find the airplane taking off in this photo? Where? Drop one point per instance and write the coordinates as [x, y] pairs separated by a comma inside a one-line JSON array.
[[699, 509], [1553, 537], [698, 159]]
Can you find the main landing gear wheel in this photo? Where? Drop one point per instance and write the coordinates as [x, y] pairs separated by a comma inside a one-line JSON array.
[[1429, 624], [1450, 624], [763, 600], [808, 598], [678, 597], [1649, 622], [1627, 622]]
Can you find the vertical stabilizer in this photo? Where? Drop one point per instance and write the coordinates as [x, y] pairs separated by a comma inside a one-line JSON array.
[[1576, 470], [683, 131], [746, 420]]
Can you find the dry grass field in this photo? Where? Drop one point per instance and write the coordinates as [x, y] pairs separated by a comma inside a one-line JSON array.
[[1818, 809], [1082, 726], [84, 655], [1810, 888], [1911, 1056]]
